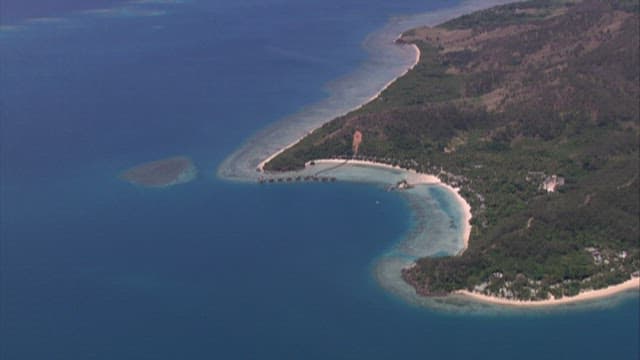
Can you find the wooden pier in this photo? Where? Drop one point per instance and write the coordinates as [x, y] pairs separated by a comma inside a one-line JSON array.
[[299, 178]]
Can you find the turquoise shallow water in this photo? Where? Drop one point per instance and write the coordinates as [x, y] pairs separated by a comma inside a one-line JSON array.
[[94, 268]]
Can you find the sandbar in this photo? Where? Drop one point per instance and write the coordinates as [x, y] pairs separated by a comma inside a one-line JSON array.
[[161, 173]]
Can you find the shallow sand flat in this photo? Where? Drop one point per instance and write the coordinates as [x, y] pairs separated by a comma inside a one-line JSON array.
[[438, 216], [161, 173]]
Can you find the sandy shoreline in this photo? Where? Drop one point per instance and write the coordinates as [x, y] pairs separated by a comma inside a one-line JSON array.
[[416, 178], [417, 59], [415, 62], [629, 285], [387, 61]]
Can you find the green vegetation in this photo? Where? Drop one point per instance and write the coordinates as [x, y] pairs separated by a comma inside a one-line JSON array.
[[506, 15], [428, 82], [534, 89]]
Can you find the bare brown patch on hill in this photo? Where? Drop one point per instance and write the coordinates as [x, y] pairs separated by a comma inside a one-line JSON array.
[[357, 140], [502, 62]]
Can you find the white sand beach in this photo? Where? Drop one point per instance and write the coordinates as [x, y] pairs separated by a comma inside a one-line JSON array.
[[387, 62], [251, 156], [417, 59], [415, 178], [629, 285]]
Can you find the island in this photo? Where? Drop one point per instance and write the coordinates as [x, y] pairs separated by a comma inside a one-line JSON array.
[[161, 173], [531, 111]]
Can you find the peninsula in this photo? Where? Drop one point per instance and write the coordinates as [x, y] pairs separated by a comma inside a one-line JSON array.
[[531, 111], [161, 173]]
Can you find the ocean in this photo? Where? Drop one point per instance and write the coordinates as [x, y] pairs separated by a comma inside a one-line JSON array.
[[96, 268]]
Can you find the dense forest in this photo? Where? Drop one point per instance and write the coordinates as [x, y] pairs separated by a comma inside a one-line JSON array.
[[532, 109]]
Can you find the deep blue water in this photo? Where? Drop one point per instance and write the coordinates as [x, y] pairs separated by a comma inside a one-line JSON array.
[[13, 11], [94, 268]]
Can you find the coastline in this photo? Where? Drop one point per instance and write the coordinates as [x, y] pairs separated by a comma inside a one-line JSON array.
[[387, 61], [242, 165], [589, 295], [417, 178], [373, 97]]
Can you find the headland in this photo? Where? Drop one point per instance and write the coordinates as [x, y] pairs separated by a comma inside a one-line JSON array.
[[389, 59], [461, 89]]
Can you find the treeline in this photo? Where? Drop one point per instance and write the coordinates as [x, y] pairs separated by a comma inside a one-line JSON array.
[[567, 89]]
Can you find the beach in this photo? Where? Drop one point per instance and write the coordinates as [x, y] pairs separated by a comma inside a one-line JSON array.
[[588, 295], [375, 96], [387, 61], [416, 178], [261, 149]]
